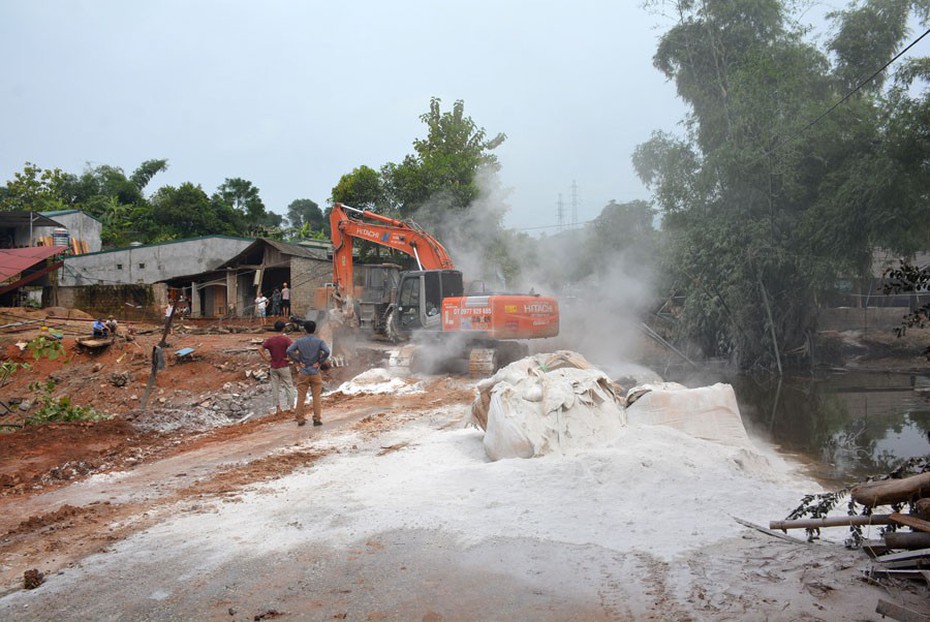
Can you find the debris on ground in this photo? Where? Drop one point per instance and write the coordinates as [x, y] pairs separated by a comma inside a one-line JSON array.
[[379, 381], [33, 579]]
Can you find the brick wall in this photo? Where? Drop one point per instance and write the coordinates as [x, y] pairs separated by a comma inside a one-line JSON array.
[[306, 276]]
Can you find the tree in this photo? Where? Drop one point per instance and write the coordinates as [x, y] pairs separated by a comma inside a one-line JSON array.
[[304, 212], [146, 171], [448, 185], [243, 197], [33, 189], [442, 174], [763, 209], [187, 211], [105, 192], [909, 278], [362, 189]]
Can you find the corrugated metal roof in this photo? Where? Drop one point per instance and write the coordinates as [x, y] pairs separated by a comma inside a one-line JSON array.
[[283, 247], [15, 260], [20, 218], [65, 212], [300, 251]]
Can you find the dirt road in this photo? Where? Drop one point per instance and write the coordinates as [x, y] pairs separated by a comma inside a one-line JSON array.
[[390, 511]]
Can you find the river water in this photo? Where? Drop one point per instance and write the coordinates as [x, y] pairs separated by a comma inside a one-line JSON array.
[[845, 426]]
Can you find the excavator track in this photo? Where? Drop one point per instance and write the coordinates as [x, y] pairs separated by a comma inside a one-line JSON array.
[[482, 362]]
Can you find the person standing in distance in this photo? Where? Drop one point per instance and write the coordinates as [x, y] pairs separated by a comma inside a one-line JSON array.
[[285, 301], [261, 303], [309, 352], [274, 350]]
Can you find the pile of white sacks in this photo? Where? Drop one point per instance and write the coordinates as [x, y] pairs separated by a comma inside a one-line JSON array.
[[558, 403]]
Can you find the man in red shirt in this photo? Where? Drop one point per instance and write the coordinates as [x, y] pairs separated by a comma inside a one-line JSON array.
[[275, 350]]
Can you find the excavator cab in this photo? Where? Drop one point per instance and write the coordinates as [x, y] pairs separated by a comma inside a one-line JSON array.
[[420, 296]]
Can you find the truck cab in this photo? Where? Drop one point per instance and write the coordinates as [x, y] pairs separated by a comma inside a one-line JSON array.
[[419, 299]]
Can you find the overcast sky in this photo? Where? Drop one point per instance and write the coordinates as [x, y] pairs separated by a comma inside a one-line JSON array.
[[292, 95]]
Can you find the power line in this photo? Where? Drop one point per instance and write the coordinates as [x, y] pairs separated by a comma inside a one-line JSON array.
[[548, 226], [855, 90]]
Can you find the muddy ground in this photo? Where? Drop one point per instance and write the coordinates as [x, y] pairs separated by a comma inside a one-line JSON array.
[[208, 433]]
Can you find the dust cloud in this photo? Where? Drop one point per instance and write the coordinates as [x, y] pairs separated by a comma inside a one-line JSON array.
[[604, 291]]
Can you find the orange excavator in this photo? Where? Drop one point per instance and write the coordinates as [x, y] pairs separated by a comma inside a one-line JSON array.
[[429, 303]]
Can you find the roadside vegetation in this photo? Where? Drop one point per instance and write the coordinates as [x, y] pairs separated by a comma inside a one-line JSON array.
[[44, 406]]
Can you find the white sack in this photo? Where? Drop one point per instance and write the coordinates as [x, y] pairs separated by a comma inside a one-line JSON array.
[[709, 413], [533, 412]]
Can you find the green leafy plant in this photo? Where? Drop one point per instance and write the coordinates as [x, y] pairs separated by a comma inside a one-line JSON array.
[[49, 408], [820, 505], [46, 407], [45, 347]]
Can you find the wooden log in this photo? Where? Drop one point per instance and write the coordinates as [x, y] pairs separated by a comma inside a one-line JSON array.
[[887, 491], [922, 509], [834, 521], [911, 521], [897, 612], [907, 540]]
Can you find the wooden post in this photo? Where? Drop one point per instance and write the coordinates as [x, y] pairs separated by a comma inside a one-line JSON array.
[[158, 358]]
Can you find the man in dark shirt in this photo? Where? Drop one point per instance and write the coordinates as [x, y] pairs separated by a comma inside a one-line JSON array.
[[309, 352], [274, 349]]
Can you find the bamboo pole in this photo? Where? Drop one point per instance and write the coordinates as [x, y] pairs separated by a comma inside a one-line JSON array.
[[836, 521], [768, 312]]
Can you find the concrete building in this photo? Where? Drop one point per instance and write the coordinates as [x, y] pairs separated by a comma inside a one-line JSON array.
[[84, 231], [18, 228], [231, 288], [129, 282], [150, 263]]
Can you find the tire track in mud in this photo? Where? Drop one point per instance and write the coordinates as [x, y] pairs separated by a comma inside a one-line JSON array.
[[90, 515]]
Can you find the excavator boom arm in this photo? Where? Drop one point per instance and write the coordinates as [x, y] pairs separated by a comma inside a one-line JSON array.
[[388, 232]]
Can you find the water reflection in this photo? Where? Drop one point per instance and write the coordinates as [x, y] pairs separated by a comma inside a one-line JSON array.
[[851, 425]]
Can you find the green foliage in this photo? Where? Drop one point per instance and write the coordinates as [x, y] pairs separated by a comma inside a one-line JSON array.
[[47, 408], [41, 346], [442, 174], [820, 505], [8, 368], [146, 171], [908, 278], [361, 189], [868, 36], [50, 409], [33, 189], [187, 211], [45, 347], [302, 212], [762, 209]]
